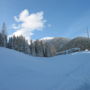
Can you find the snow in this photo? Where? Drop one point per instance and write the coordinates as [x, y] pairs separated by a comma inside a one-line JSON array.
[[23, 72], [47, 38]]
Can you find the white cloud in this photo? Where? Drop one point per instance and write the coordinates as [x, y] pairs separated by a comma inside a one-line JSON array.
[[16, 27], [27, 23]]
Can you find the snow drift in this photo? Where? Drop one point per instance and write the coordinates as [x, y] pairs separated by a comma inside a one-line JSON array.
[[22, 72]]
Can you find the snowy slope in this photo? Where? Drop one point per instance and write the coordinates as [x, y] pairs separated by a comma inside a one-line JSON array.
[[47, 38], [22, 72]]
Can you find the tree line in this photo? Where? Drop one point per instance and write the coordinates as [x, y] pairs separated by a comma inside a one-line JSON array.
[[40, 47], [19, 43]]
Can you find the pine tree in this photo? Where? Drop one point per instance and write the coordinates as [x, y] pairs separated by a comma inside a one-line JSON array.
[[42, 49], [19, 43], [30, 46], [3, 36]]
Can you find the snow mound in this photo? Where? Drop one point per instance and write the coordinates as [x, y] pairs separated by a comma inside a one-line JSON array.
[[65, 72], [47, 38]]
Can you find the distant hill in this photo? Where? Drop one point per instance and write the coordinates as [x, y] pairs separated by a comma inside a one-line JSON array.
[[57, 42], [79, 42]]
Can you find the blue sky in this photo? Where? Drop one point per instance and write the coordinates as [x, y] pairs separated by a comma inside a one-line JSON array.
[[64, 18]]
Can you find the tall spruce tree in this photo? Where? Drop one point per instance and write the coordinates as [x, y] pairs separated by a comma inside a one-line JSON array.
[[3, 36]]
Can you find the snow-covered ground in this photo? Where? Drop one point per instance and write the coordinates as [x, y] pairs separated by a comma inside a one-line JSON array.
[[22, 72]]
